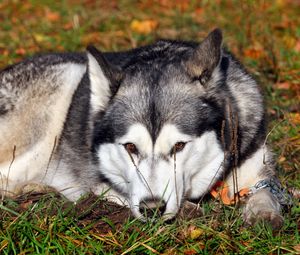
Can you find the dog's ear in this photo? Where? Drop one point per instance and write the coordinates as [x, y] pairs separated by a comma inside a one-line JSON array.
[[205, 57], [104, 78]]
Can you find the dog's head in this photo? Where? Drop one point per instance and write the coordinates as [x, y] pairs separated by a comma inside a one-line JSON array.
[[155, 136]]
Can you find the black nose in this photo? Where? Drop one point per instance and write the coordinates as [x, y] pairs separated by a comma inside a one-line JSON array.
[[152, 207]]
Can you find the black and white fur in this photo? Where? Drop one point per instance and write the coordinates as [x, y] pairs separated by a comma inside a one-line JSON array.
[[152, 127]]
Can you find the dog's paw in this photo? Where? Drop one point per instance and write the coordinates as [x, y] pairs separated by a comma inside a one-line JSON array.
[[263, 207], [271, 217]]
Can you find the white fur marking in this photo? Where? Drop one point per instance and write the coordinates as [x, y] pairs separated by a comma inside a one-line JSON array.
[[168, 137], [100, 90], [139, 135], [249, 173]]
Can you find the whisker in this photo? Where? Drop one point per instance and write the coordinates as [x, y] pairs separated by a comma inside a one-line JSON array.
[[8, 173], [175, 178], [140, 174]]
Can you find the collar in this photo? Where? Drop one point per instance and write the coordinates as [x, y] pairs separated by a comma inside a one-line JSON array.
[[221, 191]]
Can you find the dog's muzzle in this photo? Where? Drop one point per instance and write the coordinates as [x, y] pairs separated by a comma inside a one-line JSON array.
[[152, 207]]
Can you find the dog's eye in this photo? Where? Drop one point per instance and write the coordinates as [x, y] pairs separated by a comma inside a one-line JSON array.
[[131, 148], [178, 147]]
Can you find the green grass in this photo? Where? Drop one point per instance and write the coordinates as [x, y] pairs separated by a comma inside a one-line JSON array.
[[38, 230], [264, 35]]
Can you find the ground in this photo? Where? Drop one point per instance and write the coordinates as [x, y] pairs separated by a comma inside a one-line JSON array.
[[264, 35]]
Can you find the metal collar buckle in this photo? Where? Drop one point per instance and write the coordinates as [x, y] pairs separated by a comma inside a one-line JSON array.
[[274, 186]]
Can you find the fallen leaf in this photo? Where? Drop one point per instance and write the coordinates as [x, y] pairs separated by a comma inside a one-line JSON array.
[[193, 232], [39, 37], [26, 204], [297, 247], [52, 16], [289, 41], [280, 3], [183, 5], [68, 25], [21, 51], [295, 118], [283, 85], [144, 26], [92, 37], [190, 252], [197, 15], [196, 233], [4, 52], [282, 159], [297, 46], [252, 53], [199, 11]]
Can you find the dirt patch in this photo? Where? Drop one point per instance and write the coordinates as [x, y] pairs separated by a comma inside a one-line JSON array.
[[101, 215], [97, 214]]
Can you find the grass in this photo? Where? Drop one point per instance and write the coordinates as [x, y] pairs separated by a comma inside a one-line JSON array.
[[264, 35]]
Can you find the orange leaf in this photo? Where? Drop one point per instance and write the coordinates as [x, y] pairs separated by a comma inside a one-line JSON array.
[[4, 52], [182, 4], [283, 85], [253, 53], [297, 46], [297, 247], [190, 252], [68, 25], [21, 51], [52, 16], [256, 51], [295, 118], [199, 11], [144, 26]]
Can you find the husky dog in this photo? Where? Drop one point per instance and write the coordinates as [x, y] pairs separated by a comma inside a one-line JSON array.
[[152, 127]]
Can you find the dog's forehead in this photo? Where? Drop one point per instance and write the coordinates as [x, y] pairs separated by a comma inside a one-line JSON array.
[[160, 91], [157, 98]]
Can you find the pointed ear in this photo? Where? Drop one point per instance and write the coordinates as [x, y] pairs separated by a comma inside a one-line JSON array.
[[104, 79], [205, 57]]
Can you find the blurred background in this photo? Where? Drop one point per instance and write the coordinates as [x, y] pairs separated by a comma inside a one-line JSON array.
[[264, 35]]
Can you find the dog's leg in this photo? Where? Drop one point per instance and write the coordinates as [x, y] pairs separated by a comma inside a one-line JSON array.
[[263, 206]]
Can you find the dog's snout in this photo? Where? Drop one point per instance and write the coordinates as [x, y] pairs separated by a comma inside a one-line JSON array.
[[152, 207]]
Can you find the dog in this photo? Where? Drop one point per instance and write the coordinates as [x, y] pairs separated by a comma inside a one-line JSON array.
[[151, 127]]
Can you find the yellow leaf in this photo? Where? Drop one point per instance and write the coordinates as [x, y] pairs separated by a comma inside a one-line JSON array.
[[289, 41], [39, 38], [282, 159], [295, 118], [195, 232], [144, 26], [280, 3]]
